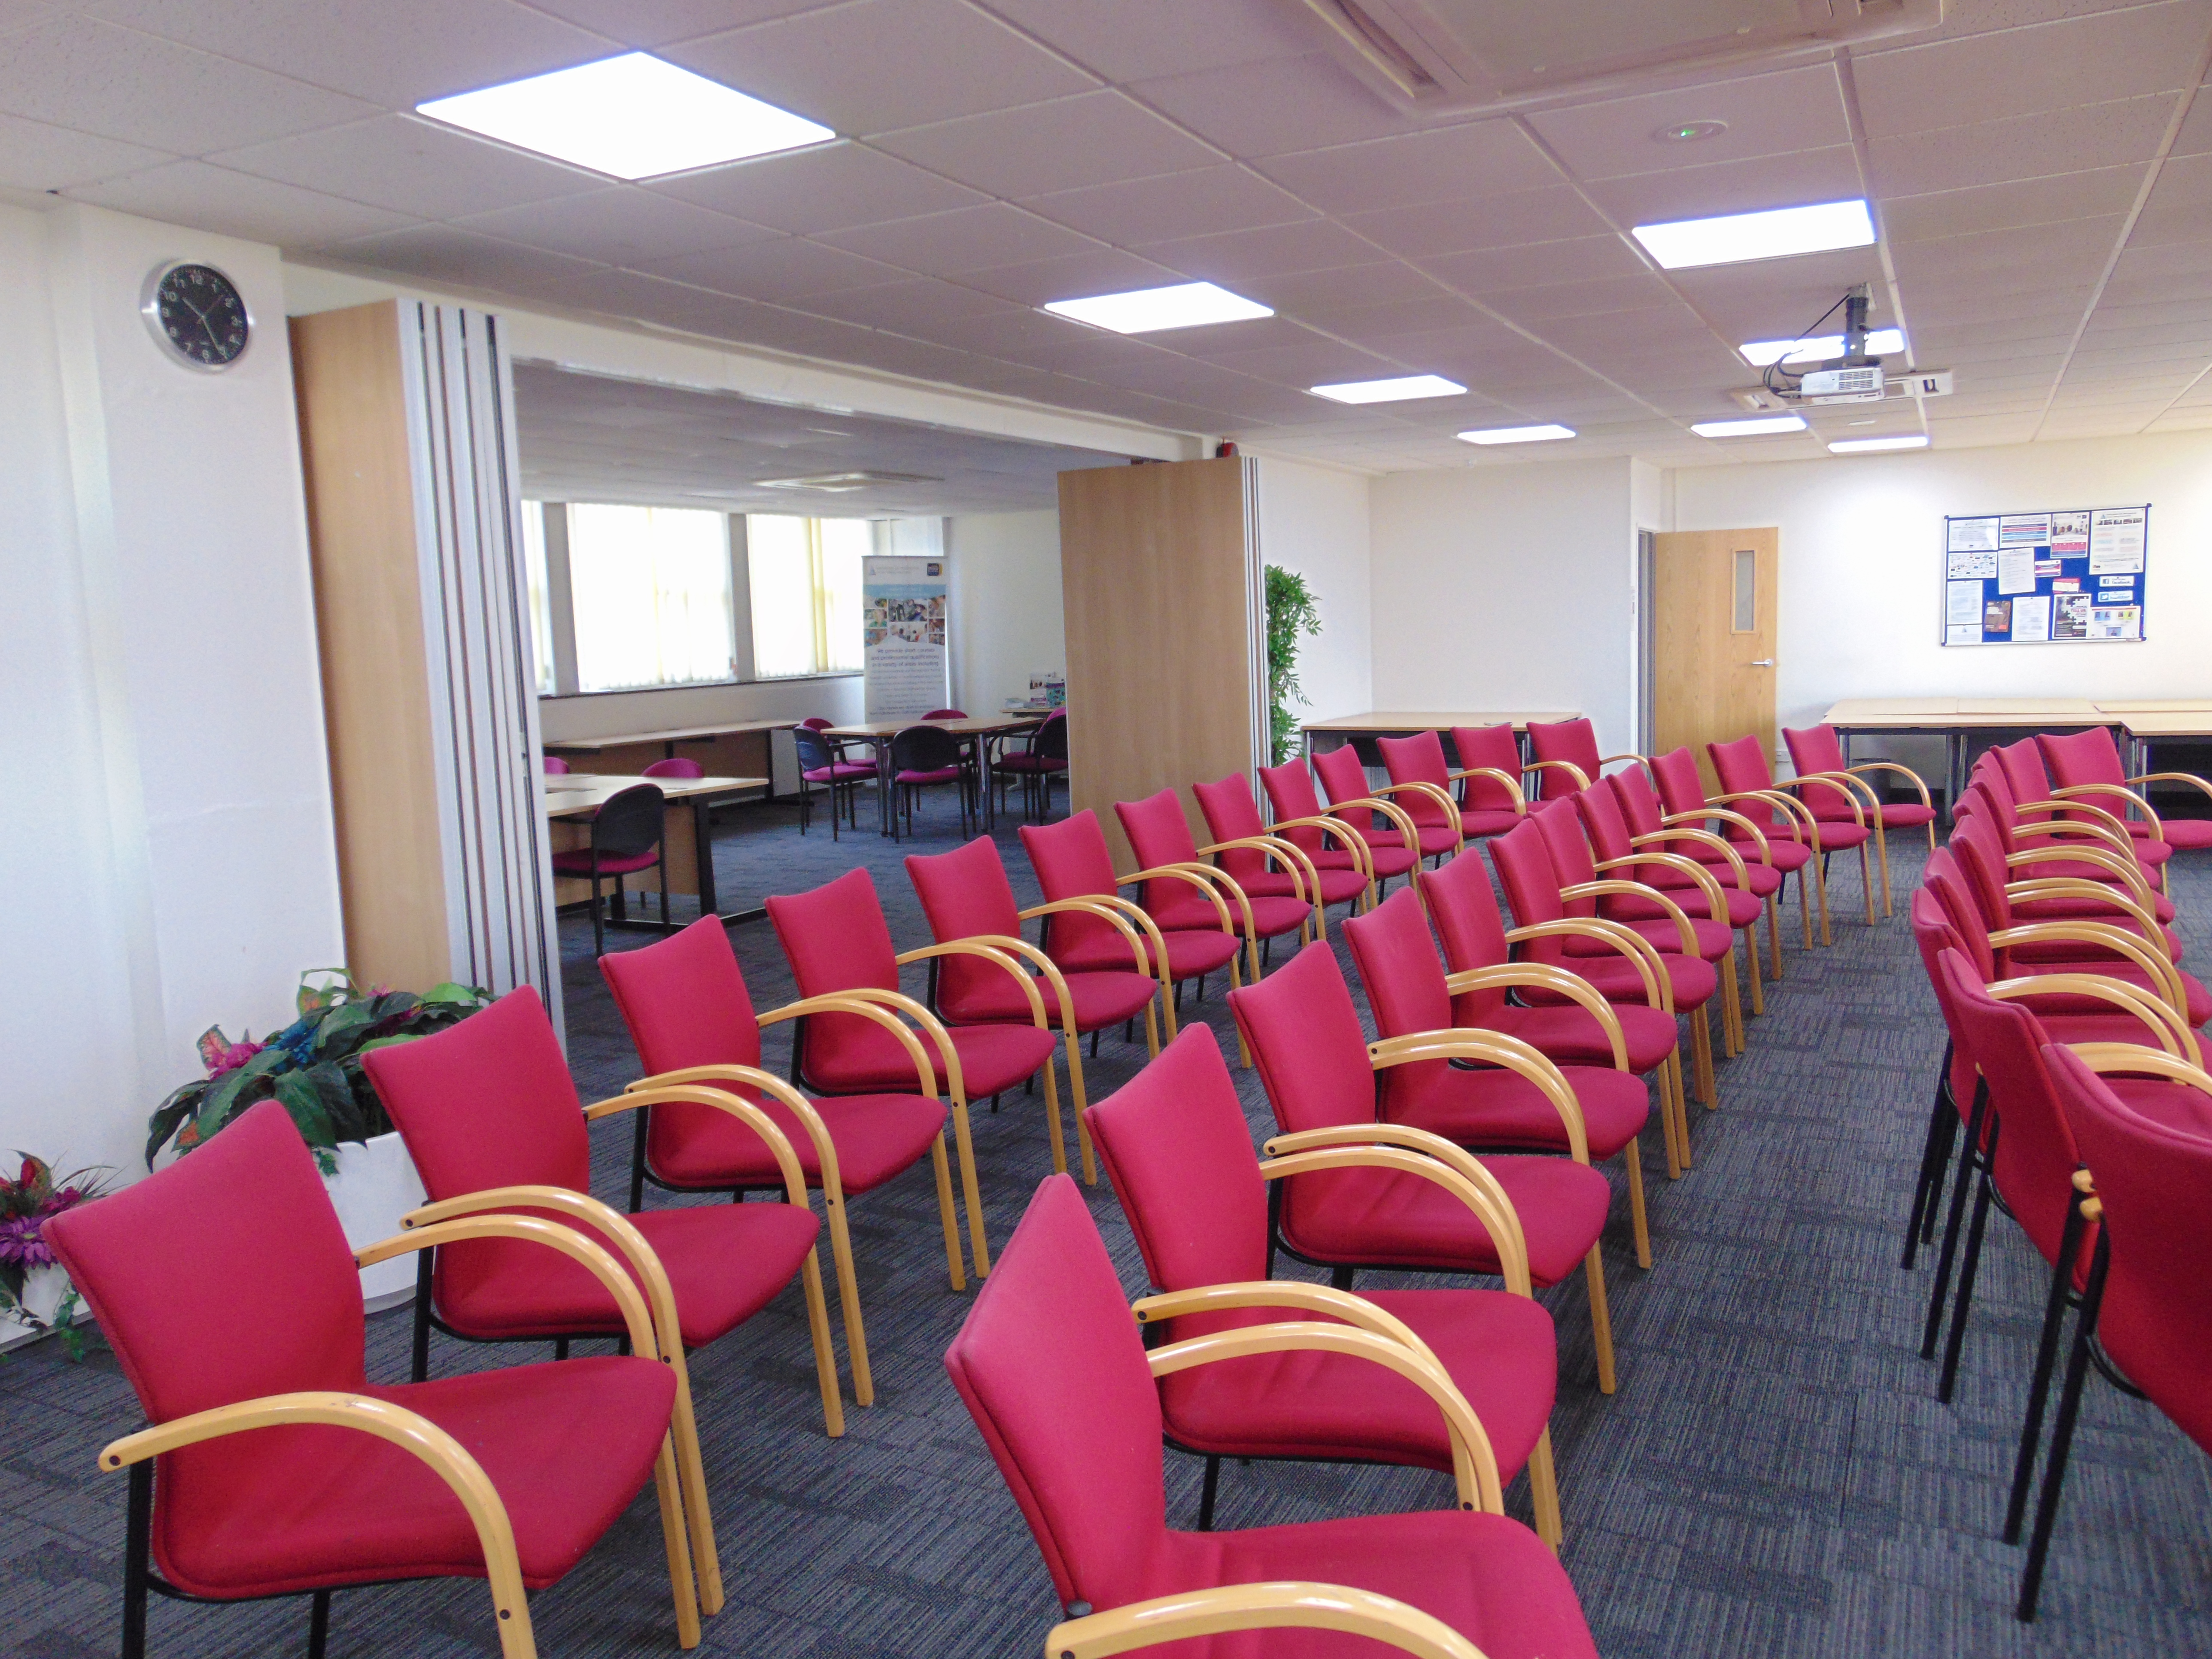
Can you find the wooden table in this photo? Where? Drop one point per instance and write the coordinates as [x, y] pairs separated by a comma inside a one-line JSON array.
[[1955, 719], [1349, 728], [2168, 723], [687, 838], [740, 747], [978, 729]]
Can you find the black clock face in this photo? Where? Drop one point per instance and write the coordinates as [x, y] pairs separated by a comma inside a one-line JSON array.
[[200, 313]]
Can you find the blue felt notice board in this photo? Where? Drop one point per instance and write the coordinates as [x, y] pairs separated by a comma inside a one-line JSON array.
[[2072, 577]]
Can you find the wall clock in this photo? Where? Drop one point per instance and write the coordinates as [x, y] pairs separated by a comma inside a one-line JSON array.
[[198, 314]]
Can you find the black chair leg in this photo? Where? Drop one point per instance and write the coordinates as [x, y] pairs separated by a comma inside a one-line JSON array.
[[1207, 1492], [418, 1368], [1094, 1045], [318, 1624], [1341, 1276], [2046, 1361], [598, 922], [138, 1533], [560, 1347], [660, 869], [1935, 1161], [1950, 1253], [1983, 1189], [2061, 1441]]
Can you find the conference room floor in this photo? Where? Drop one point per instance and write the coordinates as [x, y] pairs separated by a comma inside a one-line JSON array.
[[1774, 1477]]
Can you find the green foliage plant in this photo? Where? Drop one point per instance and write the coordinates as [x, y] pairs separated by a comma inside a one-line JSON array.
[[1293, 611]]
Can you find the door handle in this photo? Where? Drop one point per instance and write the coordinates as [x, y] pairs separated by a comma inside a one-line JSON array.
[[1763, 662]]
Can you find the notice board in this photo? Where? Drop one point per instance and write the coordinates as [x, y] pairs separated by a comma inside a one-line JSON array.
[[2070, 577]]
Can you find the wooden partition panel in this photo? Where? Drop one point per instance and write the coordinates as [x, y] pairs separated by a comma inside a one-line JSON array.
[[1714, 613], [1160, 586]]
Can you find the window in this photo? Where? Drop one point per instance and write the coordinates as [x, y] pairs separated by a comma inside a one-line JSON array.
[[652, 602], [541, 595], [805, 578]]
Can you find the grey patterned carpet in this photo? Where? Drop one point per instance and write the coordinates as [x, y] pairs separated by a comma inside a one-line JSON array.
[[1774, 1477]]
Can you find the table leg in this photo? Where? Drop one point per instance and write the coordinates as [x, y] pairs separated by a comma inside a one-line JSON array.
[[1843, 743], [886, 806], [702, 853], [1954, 772]]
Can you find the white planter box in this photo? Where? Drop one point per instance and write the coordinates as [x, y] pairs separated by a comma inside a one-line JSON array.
[[375, 1185], [43, 1290]]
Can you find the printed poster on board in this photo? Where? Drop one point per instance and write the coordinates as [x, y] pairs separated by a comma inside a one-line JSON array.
[[903, 615]]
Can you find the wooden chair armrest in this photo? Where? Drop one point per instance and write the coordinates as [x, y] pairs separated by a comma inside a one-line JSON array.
[[1284, 1604], [1683, 930], [1919, 783], [2171, 1029], [1337, 830], [1391, 1147], [2121, 867], [1700, 877], [2105, 937], [1493, 1048], [1503, 976], [1397, 815], [693, 1094], [868, 1007], [1582, 778], [1197, 875], [1303, 877], [2072, 791], [985, 952], [817, 1132], [2081, 811], [1658, 986], [2107, 1058], [1696, 837], [2097, 893], [2189, 778], [1511, 783], [1356, 1310], [1045, 965], [1852, 790], [1442, 797], [1605, 761], [1724, 815], [1474, 1465], [1111, 908]]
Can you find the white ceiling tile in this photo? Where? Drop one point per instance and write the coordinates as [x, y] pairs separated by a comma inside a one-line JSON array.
[[1090, 270], [2180, 204], [1144, 210], [439, 253], [652, 300], [2087, 60], [1434, 313], [664, 20], [2048, 249], [22, 14], [395, 53], [966, 238], [1318, 362], [1445, 164], [830, 188], [620, 224], [214, 198], [2022, 147], [1532, 308], [1530, 216], [2045, 201], [1230, 257], [1746, 186], [120, 83], [411, 166], [1124, 40], [789, 270], [37, 156], [878, 65], [915, 305], [1269, 108], [1792, 109], [1529, 264], [1348, 287], [1093, 138]]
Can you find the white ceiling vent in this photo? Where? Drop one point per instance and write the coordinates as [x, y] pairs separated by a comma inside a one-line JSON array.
[[1461, 55]]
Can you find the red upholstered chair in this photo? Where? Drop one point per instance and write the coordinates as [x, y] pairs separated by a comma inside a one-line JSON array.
[[1774, 824], [255, 1324], [1745, 861], [2087, 763], [1244, 847], [1159, 835], [490, 1118], [2077, 846], [1488, 1107], [1035, 764], [1980, 851], [1745, 775], [1298, 818], [1421, 782], [554, 765], [1180, 1157], [946, 714], [1353, 799], [2035, 794], [839, 946], [2144, 1313], [1685, 880], [1830, 789], [691, 1018], [1490, 800], [1050, 1365], [1566, 757], [1346, 1213], [968, 899], [822, 762], [1543, 930], [675, 766]]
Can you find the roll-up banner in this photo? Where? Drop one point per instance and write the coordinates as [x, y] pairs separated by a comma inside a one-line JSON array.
[[902, 638]]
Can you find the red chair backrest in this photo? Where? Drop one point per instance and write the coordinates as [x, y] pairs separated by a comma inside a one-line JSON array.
[[1306, 1040], [1962, 910], [1981, 859], [1342, 775], [964, 893], [1290, 795], [1176, 1147], [1049, 1364], [1606, 823], [685, 1003], [2090, 756], [946, 714], [555, 765], [1465, 912], [1563, 740], [1159, 834], [1232, 814], [677, 766], [1814, 749], [1071, 861], [1932, 935], [1639, 802], [835, 939], [2155, 1321], [1404, 980], [1561, 827], [1680, 789], [1496, 748], [1742, 764], [1417, 759], [2022, 764], [818, 722], [1532, 886]]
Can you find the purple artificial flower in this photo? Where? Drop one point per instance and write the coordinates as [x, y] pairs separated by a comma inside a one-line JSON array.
[[233, 1057], [22, 1244]]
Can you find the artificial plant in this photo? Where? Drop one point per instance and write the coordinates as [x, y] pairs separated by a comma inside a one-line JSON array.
[[1293, 611]]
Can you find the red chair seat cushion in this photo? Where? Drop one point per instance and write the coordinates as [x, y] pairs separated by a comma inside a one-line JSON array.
[[869, 1059], [1841, 837], [317, 1506], [1783, 854], [2187, 835], [579, 863], [1766, 879], [1192, 911], [839, 772], [1484, 820], [1380, 1217], [1566, 1034], [2176, 1105], [1437, 838], [1190, 951], [2197, 1000], [2055, 910], [725, 1262], [1338, 883], [1615, 978], [1489, 1107], [1101, 999], [1386, 851], [1500, 1349], [1712, 938], [1743, 908], [935, 775], [1895, 815], [876, 1136]]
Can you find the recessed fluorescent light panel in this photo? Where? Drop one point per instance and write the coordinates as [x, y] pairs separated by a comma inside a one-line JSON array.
[[1869, 445], [1389, 392], [1882, 341], [1685, 244], [1146, 311], [1517, 435], [634, 117], [1750, 428]]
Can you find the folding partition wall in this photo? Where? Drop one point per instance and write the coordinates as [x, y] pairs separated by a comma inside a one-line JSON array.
[[1166, 676], [407, 437]]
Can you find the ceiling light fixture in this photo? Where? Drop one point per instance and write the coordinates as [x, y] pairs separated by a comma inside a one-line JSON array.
[[843, 483], [1146, 310], [1686, 244], [633, 117], [1689, 133], [1869, 445], [1751, 428], [1517, 434], [1882, 341], [1389, 392]]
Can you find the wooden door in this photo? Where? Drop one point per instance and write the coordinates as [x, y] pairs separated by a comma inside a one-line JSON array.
[[1712, 640]]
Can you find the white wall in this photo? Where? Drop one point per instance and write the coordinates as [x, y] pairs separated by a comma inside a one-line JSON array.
[[1506, 587], [1862, 566], [170, 814], [1007, 622], [1314, 521]]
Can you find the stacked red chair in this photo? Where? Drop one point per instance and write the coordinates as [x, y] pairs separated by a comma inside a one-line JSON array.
[[1299, 819], [1744, 861], [1421, 781], [1159, 835], [1244, 847], [1745, 775], [1491, 799], [1351, 796], [1772, 824], [1830, 789]]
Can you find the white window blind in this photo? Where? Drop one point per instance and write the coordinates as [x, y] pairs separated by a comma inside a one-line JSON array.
[[651, 596], [541, 594], [806, 575]]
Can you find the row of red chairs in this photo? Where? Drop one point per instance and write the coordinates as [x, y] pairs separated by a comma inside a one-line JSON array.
[[2073, 1088]]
